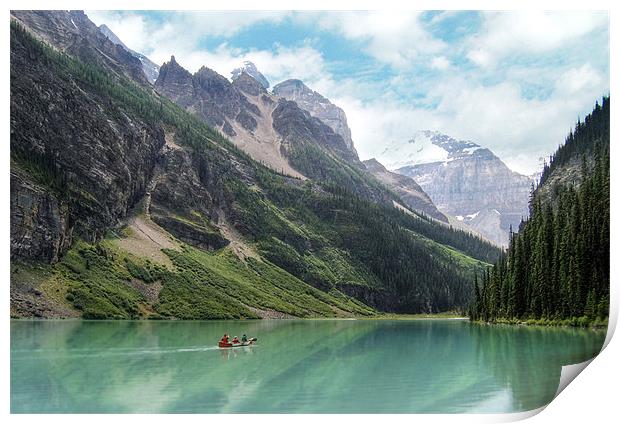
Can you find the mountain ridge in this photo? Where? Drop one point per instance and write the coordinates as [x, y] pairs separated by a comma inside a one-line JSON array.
[[250, 69], [150, 68], [414, 196]]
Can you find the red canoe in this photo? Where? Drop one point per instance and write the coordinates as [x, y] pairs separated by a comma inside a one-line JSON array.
[[229, 344]]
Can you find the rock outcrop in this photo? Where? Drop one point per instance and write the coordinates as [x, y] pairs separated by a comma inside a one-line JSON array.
[[294, 123], [39, 220], [318, 106]]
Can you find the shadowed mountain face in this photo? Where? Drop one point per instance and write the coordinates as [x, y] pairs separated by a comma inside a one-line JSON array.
[[151, 69], [409, 191], [464, 180], [318, 106], [72, 32]]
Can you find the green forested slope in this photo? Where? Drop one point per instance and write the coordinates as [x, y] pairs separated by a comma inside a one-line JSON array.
[[557, 266]]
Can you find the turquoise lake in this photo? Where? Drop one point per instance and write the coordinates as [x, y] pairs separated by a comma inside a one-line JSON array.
[[309, 366]]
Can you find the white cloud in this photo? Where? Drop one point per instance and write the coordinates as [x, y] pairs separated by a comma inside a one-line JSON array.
[[480, 57], [440, 63], [393, 37], [577, 80], [509, 33]]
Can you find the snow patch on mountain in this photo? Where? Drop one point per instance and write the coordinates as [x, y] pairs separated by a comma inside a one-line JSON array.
[[426, 147], [473, 215]]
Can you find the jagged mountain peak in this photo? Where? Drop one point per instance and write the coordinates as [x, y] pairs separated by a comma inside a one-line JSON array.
[[318, 106], [172, 71], [292, 83], [448, 143], [250, 69], [297, 88], [208, 72]]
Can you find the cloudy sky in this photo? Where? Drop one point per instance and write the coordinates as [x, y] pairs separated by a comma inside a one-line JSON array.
[[512, 81]]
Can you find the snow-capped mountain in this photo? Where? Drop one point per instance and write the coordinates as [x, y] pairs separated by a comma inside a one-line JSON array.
[[426, 147], [464, 180], [250, 69]]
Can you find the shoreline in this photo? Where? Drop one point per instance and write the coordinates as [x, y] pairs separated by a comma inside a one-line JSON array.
[[386, 317], [569, 323]]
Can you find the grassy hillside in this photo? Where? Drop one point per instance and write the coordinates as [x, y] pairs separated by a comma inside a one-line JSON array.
[[103, 281]]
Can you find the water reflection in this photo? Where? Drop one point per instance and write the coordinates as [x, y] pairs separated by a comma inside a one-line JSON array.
[[235, 352], [297, 366]]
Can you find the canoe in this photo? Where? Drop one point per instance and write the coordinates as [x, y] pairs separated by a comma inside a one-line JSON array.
[[230, 344]]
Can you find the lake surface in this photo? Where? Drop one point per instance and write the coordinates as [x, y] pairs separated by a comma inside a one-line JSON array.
[[310, 366]]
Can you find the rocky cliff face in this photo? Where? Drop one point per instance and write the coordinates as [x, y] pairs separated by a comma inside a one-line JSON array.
[[318, 106], [88, 163], [250, 69], [464, 180], [412, 194], [294, 124], [150, 68], [39, 220]]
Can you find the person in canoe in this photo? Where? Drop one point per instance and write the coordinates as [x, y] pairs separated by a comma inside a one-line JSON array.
[[235, 340], [244, 338], [224, 338]]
